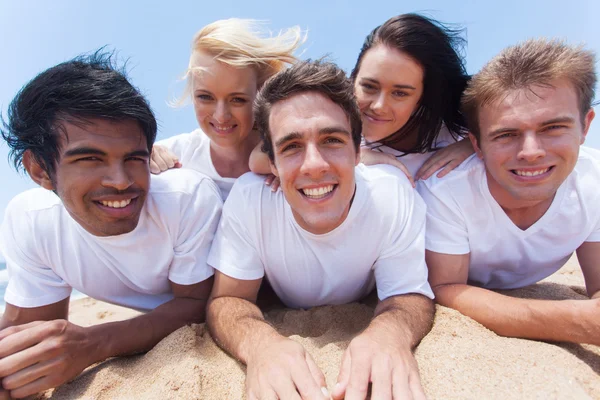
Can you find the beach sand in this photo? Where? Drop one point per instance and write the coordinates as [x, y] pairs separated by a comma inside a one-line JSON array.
[[458, 359]]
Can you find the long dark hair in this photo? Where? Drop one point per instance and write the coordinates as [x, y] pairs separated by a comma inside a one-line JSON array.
[[438, 49]]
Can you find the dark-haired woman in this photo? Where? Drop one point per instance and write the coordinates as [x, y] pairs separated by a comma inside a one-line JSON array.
[[408, 80]]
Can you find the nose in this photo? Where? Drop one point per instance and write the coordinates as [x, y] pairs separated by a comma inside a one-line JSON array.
[[314, 164], [378, 103], [532, 147], [222, 112], [117, 177]]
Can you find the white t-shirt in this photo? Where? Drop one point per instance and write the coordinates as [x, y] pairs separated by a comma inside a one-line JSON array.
[[463, 217], [414, 161], [48, 253], [381, 241], [193, 150]]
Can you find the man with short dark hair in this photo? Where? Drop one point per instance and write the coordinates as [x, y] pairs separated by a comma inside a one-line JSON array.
[[329, 236], [515, 212], [99, 223]]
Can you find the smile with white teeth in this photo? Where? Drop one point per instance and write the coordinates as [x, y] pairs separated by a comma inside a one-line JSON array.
[[223, 128], [317, 193], [116, 204], [531, 173]]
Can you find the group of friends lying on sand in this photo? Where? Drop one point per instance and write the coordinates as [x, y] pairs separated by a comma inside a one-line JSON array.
[[303, 179]]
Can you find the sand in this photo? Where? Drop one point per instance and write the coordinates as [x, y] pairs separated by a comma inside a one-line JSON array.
[[458, 359]]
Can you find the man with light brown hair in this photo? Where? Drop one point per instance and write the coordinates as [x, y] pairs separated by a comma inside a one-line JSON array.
[[514, 212]]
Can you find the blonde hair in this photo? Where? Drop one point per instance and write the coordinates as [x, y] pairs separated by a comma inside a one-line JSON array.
[[244, 43], [536, 62]]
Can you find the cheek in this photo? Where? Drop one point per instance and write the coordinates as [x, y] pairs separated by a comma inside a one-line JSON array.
[[201, 110]]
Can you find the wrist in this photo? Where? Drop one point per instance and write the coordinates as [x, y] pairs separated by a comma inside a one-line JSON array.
[[98, 344], [257, 346]]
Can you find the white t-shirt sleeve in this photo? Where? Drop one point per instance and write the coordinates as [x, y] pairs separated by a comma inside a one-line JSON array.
[[31, 283], [234, 251], [401, 267], [198, 224], [446, 229], [595, 235]]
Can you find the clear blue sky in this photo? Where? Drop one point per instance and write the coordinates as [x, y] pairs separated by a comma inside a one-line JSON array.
[[156, 38]]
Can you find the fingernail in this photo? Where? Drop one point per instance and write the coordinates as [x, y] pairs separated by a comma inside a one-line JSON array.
[[325, 391]]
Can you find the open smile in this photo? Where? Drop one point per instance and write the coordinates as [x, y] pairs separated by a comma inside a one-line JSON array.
[[118, 208], [532, 174], [318, 193], [223, 129]]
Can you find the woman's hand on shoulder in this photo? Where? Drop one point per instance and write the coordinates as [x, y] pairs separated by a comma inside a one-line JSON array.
[[446, 159], [162, 159], [371, 157]]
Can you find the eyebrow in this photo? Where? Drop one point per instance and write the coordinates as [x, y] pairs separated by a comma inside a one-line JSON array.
[[404, 86], [324, 131], [230, 94], [87, 151], [558, 120]]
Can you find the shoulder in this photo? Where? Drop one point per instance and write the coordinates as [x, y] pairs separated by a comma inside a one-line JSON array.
[[462, 175], [588, 161], [196, 138], [249, 186], [33, 201], [373, 174], [181, 183]]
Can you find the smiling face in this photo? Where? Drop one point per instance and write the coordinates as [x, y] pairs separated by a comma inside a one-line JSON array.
[[388, 87], [223, 97], [102, 175], [314, 159], [530, 142]]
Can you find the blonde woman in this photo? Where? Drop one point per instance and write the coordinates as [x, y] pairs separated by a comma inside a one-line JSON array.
[[230, 60]]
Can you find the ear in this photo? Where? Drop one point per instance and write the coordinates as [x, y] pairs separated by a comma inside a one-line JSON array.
[[36, 172], [587, 121], [475, 144]]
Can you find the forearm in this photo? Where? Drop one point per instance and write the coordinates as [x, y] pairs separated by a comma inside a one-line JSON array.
[[555, 320], [408, 317], [142, 333], [238, 327]]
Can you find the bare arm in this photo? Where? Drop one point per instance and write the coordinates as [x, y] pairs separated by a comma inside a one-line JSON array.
[[36, 333], [555, 320], [588, 255], [259, 161], [278, 367]]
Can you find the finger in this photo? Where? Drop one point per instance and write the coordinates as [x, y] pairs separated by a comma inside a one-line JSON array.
[[24, 338], [284, 389], [342, 381], [39, 385], [430, 166], [178, 164], [161, 163], [154, 167], [448, 168], [358, 384], [275, 185], [317, 376], [416, 388], [269, 180], [309, 386], [381, 377], [28, 375], [400, 387], [27, 358], [268, 394], [18, 328]]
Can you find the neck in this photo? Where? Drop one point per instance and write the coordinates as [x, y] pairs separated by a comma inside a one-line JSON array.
[[523, 213], [232, 162]]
